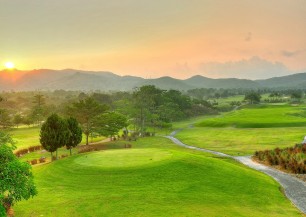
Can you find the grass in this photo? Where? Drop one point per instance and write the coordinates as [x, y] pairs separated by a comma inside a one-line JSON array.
[[29, 136], [252, 128], [241, 141], [262, 116], [178, 182], [122, 158]]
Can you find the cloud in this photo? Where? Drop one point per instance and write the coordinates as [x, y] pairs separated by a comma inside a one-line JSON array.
[[292, 53], [248, 37], [253, 68]]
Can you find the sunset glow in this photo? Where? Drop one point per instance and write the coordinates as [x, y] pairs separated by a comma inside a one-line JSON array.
[[145, 38], [9, 65]]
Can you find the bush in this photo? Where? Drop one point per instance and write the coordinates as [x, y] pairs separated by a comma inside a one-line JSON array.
[[86, 149], [31, 149], [21, 152], [42, 160], [33, 162], [64, 155], [291, 159]]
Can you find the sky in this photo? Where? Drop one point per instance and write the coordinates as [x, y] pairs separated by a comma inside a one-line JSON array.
[[178, 38]]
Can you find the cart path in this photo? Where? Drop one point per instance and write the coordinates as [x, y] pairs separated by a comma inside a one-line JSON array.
[[294, 188]]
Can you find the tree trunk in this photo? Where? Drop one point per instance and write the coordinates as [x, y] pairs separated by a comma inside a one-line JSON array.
[[56, 155], [87, 135], [51, 156], [70, 152], [9, 210]]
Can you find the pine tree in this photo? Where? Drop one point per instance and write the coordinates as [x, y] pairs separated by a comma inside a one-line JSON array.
[[75, 135], [54, 134]]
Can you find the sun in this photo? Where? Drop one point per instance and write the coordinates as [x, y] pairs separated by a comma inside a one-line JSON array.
[[9, 65]]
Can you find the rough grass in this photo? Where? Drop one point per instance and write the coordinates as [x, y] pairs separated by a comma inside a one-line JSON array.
[[262, 116], [185, 183]]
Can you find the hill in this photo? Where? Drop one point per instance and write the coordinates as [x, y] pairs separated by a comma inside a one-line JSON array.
[[295, 80], [71, 79]]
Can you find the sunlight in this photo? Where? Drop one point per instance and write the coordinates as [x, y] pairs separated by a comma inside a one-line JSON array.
[[9, 65]]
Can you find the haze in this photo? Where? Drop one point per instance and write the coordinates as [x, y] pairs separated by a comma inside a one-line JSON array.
[[178, 38]]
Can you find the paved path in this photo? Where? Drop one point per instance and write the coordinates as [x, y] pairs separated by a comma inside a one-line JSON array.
[[294, 188]]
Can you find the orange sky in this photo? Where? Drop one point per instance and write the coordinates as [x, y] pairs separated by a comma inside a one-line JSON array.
[[177, 38]]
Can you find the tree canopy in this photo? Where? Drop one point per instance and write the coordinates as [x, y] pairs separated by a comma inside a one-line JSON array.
[[54, 133], [16, 178], [75, 133], [109, 124], [252, 97], [85, 111]]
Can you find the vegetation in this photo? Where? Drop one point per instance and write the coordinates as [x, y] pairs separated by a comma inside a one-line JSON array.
[[54, 134], [249, 129], [109, 124], [86, 111], [75, 133], [16, 179], [113, 182], [260, 116], [252, 97], [241, 141], [137, 174], [292, 159]]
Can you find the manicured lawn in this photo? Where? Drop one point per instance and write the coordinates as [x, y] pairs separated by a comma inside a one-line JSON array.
[[260, 116], [241, 141], [29, 136], [252, 128], [176, 182]]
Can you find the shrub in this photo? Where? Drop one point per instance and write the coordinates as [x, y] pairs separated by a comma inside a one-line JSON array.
[[291, 159], [86, 149], [42, 160], [64, 155], [31, 149], [33, 162]]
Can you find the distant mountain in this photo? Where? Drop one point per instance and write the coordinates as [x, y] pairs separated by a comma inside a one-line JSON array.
[[71, 79], [167, 83], [295, 80], [200, 81]]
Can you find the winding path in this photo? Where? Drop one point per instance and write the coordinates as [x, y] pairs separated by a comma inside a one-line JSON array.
[[294, 188]]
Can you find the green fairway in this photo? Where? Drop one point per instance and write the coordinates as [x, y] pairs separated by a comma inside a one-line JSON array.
[[252, 128], [179, 182], [29, 136], [241, 141], [260, 116]]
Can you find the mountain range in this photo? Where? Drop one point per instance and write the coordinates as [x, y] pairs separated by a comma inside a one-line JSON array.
[[71, 79]]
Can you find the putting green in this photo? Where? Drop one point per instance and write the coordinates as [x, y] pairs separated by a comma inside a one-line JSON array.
[[123, 158]]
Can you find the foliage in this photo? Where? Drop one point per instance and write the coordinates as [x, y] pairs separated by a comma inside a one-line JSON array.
[[110, 123], [252, 97], [75, 133], [292, 159], [2, 209], [16, 179], [5, 120], [296, 96], [86, 111], [18, 119], [54, 133], [154, 107]]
